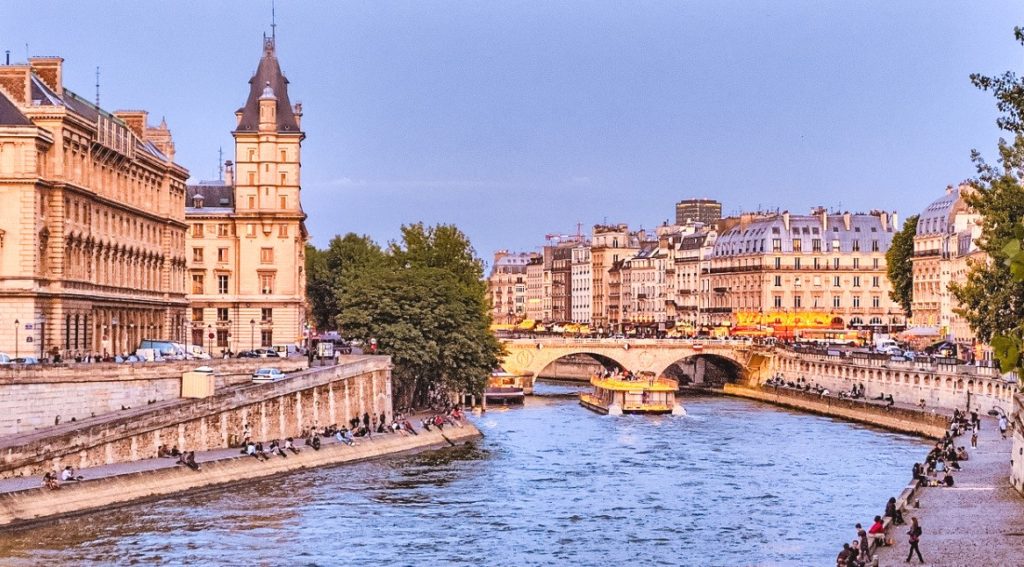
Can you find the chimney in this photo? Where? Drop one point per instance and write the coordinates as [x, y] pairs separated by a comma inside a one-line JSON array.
[[949, 189], [847, 220], [135, 120], [883, 218], [297, 111], [48, 69], [785, 220], [229, 173], [14, 80], [238, 118], [160, 136], [895, 221], [823, 215]]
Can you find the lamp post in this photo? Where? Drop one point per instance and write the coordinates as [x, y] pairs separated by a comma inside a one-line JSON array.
[[185, 331], [42, 337], [17, 324], [209, 333], [252, 334]]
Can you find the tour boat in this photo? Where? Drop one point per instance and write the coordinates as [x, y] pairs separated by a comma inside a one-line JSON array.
[[643, 393], [504, 388]]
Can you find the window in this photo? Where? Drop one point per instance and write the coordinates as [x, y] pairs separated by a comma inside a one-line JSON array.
[[816, 245], [284, 155], [798, 245], [835, 263], [282, 231], [222, 254], [856, 263], [778, 281], [817, 265], [197, 230], [197, 255], [252, 202], [252, 181], [874, 263], [267, 314], [856, 301], [197, 284], [266, 255], [856, 245], [874, 281], [776, 245], [267, 337], [856, 281], [252, 154], [197, 313], [835, 281], [796, 263], [283, 181], [817, 281], [836, 301], [267, 284], [876, 301], [222, 284], [222, 314], [797, 281], [778, 301], [778, 263], [796, 302], [223, 229], [222, 338], [874, 246], [250, 230]]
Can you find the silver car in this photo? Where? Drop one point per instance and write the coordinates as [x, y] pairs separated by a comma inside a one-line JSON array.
[[267, 375]]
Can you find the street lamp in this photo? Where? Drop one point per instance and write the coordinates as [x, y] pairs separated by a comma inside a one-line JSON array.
[[42, 337], [252, 334], [17, 323], [209, 334]]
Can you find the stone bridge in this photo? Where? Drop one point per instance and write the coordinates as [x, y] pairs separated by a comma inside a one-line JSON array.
[[745, 360]]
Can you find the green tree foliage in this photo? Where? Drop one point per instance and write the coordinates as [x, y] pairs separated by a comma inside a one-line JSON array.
[[899, 266], [423, 300], [992, 298]]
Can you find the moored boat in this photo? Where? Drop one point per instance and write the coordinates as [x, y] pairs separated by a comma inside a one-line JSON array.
[[504, 388], [643, 393]]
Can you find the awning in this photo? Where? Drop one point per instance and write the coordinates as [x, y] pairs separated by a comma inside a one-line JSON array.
[[527, 324], [920, 332]]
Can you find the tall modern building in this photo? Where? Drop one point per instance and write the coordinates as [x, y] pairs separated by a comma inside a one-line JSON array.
[[92, 223], [704, 211], [247, 234]]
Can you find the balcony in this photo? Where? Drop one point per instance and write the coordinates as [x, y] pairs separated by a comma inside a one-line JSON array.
[[720, 289]]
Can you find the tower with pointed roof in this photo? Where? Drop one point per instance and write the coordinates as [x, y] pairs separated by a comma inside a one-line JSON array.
[[248, 235]]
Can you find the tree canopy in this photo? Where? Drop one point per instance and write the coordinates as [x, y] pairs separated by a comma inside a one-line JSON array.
[[422, 299], [899, 265], [992, 298]]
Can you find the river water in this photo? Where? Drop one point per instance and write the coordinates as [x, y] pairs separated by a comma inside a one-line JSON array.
[[732, 483]]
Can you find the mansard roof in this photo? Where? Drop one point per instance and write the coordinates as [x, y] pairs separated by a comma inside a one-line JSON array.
[[10, 115], [217, 197], [268, 72]]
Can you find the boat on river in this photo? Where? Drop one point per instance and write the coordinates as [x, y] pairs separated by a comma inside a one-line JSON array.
[[505, 388], [643, 393]]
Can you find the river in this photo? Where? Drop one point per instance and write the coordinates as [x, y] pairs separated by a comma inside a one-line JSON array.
[[732, 483]]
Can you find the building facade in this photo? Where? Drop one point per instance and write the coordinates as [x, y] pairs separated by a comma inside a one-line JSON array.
[[507, 286], [92, 228], [804, 271], [535, 288], [704, 211], [246, 241], [610, 246], [582, 284]]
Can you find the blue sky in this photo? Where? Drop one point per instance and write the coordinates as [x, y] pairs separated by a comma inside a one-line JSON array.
[[517, 119]]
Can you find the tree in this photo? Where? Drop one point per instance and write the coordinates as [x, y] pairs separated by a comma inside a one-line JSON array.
[[423, 300], [992, 298], [899, 266]]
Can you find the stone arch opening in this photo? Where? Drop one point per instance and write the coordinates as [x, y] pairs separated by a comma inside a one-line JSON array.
[[706, 370], [577, 366]]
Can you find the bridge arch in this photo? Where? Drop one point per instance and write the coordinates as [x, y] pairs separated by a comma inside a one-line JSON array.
[[710, 369]]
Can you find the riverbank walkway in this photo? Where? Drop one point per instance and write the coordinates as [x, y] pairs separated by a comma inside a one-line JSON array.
[[979, 521], [18, 484]]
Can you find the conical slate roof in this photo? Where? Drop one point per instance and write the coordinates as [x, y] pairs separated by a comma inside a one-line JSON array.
[[268, 71]]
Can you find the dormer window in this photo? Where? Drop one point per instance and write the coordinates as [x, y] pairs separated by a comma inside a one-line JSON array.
[[197, 201]]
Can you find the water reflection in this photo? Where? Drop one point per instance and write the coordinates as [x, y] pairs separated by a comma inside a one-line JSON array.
[[733, 483]]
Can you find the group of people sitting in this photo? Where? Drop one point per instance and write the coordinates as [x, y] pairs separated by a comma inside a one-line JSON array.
[[857, 553], [943, 459], [855, 393], [52, 480], [261, 453], [881, 397]]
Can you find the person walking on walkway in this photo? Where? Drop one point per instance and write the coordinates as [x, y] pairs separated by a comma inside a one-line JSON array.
[[915, 539], [1003, 423]]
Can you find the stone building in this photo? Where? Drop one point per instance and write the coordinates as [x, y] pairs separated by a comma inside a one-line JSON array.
[[707, 212], [610, 245], [944, 247], [536, 288], [691, 262], [507, 286], [795, 271], [92, 228], [582, 283], [247, 235]]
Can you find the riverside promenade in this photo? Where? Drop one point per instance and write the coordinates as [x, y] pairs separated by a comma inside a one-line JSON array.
[[979, 521], [23, 500]]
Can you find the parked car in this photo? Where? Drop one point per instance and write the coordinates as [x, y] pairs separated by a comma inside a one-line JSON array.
[[267, 353], [267, 375], [4, 358], [25, 360], [247, 354]]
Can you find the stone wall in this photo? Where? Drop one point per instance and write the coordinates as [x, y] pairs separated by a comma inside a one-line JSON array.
[[896, 419], [38, 503], [943, 386], [34, 396], [315, 397], [1017, 451]]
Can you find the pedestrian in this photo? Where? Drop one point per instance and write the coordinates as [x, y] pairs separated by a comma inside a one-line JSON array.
[[862, 537], [915, 539], [974, 440], [1003, 423]]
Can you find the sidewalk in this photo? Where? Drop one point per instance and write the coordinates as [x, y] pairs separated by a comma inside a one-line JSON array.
[[977, 521]]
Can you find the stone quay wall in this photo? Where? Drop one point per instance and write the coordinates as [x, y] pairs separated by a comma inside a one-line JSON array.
[[314, 397], [897, 419], [38, 504], [939, 385], [35, 396]]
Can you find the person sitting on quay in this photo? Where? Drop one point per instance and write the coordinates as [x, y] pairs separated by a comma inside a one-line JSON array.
[[961, 454], [275, 449], [861, 544], [162, 452], [407, 425], [918, 473], [893, 512], [261, 453], [250, 449], [174, 452], [343, 436], [289, 445], [948, 479], [50, 481], [877, 531], [68, 475], [190, 461], [314, 442]]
